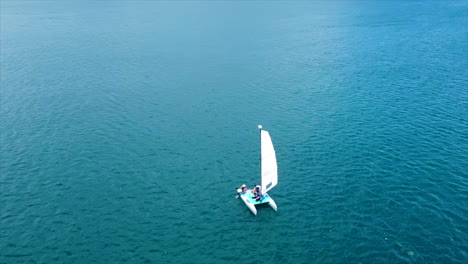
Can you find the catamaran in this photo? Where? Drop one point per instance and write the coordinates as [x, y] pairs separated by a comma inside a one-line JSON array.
[[269, 175]]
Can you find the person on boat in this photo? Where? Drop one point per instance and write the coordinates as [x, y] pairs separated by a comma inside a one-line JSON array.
[[257, 192], [258, 188], [241, 190]]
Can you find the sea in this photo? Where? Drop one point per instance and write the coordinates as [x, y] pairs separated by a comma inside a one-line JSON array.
[[126, 127]]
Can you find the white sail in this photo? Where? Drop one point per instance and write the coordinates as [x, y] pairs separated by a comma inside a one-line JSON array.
[[269, 166]]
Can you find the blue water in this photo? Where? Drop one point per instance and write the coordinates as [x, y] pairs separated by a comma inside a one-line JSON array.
[[125, 127]]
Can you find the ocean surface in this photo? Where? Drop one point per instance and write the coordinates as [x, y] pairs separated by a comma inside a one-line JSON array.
[[125, 127]]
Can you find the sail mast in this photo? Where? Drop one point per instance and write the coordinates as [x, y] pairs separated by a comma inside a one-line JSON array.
[[260, 129]]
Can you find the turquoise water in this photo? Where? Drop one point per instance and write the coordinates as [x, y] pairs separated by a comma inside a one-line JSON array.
[[126, 126]]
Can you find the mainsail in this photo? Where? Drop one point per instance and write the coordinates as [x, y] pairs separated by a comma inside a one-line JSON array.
[[268, 162]]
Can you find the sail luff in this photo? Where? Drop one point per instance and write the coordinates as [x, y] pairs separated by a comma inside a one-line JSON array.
[[269, 167]]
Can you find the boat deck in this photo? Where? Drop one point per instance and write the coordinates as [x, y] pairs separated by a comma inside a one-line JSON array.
[[250, 198]]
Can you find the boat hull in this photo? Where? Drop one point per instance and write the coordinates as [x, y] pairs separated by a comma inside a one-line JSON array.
[[273, 204], [249, 200], [250, 204]]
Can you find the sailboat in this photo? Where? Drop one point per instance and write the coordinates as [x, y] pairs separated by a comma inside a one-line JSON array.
[[269, 175]]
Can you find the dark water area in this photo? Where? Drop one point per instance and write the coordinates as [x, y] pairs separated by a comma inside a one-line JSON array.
[[126, 125]]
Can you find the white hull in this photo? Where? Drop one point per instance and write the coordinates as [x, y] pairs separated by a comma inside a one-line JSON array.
[[273, 204], [250, 202]]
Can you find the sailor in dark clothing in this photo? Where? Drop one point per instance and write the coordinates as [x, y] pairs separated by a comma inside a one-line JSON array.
[[241, 190], [257, 192]]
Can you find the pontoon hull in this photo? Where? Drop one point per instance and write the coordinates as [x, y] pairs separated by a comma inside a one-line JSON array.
[[249, 200]]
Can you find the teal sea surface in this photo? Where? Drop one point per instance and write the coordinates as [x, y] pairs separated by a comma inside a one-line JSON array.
[[125, 127]]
